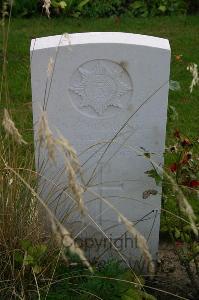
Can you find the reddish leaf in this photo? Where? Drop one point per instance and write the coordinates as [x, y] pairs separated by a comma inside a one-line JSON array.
[[179, 244], [186, 142], [178, 57], [177, 133], [186, 158], [194, 183], [173, 167]]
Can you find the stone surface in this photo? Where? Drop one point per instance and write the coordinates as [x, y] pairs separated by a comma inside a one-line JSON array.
[[108, 95]]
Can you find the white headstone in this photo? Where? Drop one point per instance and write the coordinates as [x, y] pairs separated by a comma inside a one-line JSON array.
[[108, 96]]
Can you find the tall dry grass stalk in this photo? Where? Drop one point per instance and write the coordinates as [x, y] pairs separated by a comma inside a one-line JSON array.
[[45, 136], [141, 242], [46, 139], [61, 233], [67, 242], [20, 204], [11, 129], [71, 162], [19, 218]]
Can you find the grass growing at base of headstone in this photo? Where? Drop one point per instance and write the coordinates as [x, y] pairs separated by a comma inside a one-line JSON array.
[[111, 281]]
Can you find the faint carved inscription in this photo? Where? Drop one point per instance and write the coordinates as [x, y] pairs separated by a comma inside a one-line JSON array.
[[100, 88]]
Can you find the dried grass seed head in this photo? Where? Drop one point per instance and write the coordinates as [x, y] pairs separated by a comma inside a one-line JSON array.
[[11, 129], [69, 152], [141, 241], [66, 241], [71, 162], [45, 136], [75, 188], [50, 67]]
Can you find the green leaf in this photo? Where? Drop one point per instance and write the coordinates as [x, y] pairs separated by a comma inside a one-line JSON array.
[[18, 257], [28, 260], [155, 175], [26, 244], [172, 113], [40, 249], [146, 296], [196, 249], [132, 294], [54, 4], [137, 4], [144, 14], [162, 8], [33, 252], [62, 4], [174, 85], [187, 228], [76, 14], [177, 233], [187, 238], [37, 269], [82, 4], [37, 251], [129, 276]]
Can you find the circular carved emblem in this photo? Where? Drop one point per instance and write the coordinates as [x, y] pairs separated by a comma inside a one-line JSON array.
[[100, 88]]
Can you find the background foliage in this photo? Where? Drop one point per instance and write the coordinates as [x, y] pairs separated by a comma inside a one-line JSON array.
[[104, 8]]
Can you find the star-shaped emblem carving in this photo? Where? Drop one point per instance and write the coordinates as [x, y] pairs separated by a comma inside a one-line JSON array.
[[101, 88]]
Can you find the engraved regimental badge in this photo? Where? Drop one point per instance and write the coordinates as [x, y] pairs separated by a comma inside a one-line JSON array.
[[100, 88]]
